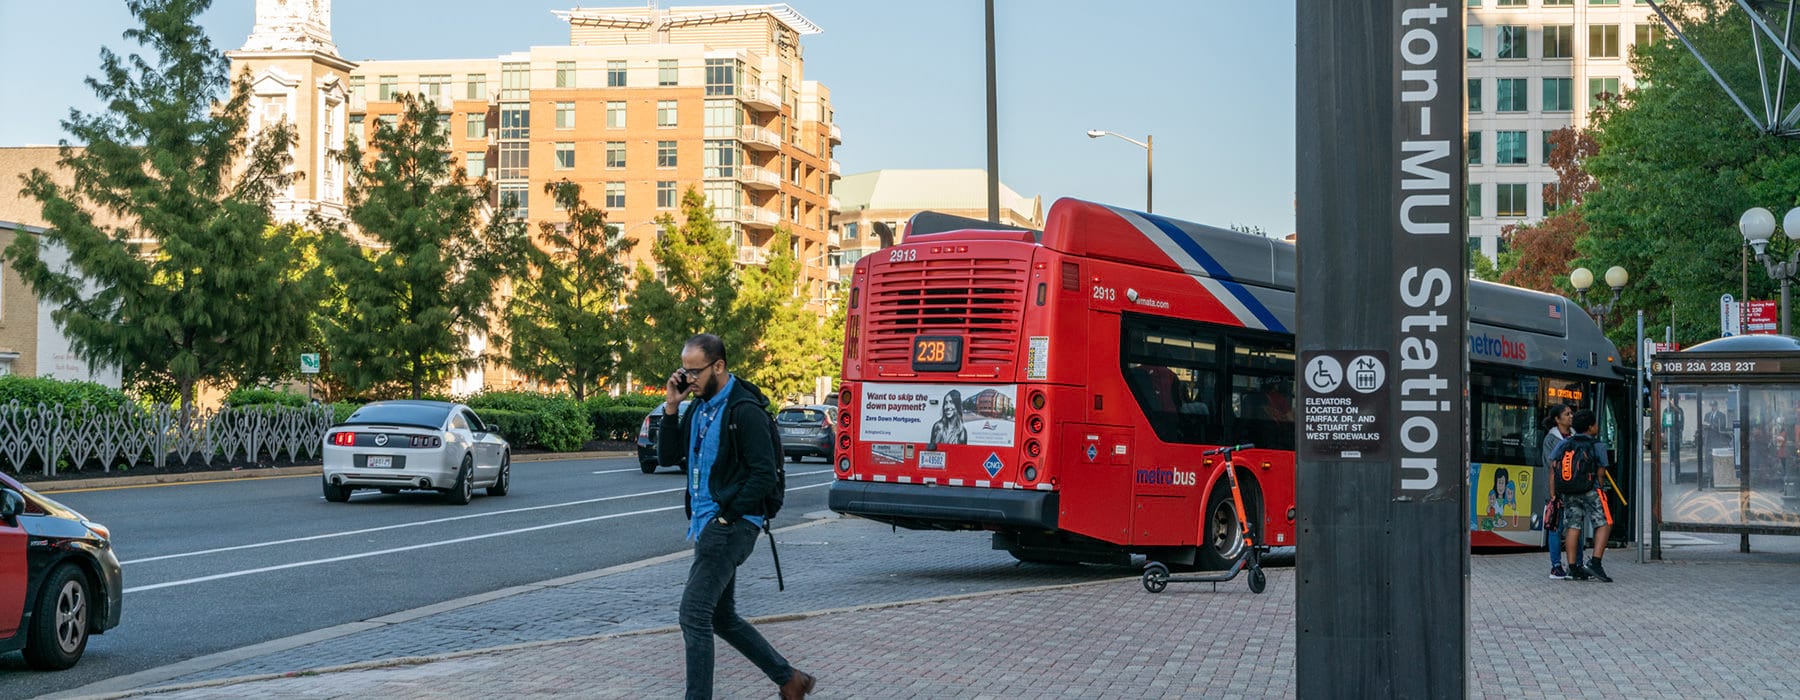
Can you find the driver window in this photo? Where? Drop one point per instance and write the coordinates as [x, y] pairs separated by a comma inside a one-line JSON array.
[[473, 421]]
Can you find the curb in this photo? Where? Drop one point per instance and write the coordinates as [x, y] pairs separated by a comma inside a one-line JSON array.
[[259, 473]]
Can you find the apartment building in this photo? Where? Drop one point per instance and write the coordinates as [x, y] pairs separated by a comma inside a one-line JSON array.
[[1535, 66], [643, 103], [880, 202]]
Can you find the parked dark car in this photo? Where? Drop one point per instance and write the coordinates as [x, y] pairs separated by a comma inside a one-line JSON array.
[[59, 578], [807, 431], [646, 440]]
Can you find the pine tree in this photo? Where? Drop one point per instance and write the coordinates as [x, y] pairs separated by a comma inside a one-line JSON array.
[[564, 323], [193, 284], [417, 277]]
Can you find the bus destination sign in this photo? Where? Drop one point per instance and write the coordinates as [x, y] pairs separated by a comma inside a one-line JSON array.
[[1714, 366], [1344, 404]]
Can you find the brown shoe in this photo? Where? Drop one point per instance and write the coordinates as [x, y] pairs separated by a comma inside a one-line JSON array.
[[798, 685]]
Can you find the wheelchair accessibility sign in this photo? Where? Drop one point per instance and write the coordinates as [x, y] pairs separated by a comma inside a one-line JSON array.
[[1344, 404]]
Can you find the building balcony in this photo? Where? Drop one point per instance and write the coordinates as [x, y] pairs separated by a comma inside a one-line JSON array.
[[758, 217], [758, 178], [836, 134], [831, 201], [835, 169], [748, 255], [764, 97], [759, 138], [832, 275], [832, 239]]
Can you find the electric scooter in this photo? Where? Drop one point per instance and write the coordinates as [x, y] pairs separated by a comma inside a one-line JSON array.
[[1156, 574]]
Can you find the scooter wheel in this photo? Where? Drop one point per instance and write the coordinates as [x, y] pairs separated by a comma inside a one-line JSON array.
[[1258, 581], [1156, 577]]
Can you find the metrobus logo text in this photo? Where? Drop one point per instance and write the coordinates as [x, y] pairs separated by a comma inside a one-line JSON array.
[[1500, 347], [1165, 476]]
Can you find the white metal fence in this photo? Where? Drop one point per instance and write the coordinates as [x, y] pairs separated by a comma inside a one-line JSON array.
[[50, 438]]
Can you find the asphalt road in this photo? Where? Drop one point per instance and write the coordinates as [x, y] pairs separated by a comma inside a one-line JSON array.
[[216, 566]]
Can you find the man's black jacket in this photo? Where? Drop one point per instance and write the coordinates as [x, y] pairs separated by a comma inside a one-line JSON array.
[[743, 474]]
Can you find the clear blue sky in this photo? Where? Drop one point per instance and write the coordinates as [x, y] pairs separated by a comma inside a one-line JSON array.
[[1212, 80]]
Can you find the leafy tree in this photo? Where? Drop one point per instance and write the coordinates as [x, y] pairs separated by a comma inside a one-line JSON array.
[[695, 291], [416, 277], [168, 220], [1677, 164], [795, 345], [563, 321]]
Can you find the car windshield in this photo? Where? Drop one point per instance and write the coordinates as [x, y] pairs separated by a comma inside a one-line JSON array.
[[400, 414], [800, 415]]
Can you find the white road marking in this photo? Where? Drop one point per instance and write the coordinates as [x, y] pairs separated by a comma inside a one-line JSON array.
[[433, 521], [617, 471], [426, 545]]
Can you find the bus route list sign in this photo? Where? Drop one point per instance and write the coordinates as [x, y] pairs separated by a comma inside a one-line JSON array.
[[1344, 402]]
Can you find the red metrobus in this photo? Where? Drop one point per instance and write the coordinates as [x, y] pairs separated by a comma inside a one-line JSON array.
[[1057, 388]]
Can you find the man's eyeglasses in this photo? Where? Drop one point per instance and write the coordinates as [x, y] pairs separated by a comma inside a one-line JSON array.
[[692, 372]]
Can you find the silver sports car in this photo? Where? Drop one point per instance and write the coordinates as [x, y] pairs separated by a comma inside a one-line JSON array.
[[394, 445]]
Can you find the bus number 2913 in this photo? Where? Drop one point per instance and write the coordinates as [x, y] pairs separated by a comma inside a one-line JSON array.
[[903, 255], [1106, 294]]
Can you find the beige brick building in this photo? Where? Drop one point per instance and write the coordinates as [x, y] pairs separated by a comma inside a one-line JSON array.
[[886, 199], [30, 343]]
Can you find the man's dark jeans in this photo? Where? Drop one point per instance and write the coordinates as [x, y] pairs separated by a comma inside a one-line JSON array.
[[709, 605]]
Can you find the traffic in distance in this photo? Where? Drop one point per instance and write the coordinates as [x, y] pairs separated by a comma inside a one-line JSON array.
[[1058, 387]]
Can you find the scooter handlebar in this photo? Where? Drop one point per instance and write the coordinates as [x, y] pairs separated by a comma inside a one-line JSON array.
[[1228, 448]]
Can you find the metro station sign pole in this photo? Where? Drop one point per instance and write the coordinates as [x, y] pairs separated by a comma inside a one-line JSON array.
[[1383, 538]]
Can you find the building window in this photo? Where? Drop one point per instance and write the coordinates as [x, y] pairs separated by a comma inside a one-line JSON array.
[[387, 120], [615, 154], [434, 86], [665, 194], [615, 195], [515, 160], [356, 128], [665, 113], [1474, 148], [615, 115], [721, 77], [1548, 145], [356, 88], [1509, 94], [477, 89], [667, 72], [615, 74], [1553, 199], [565, 115], [515, 81], [1509, 42], [1474, 3], [1609, 3], [1509, 148], [1559, 94], [385, 86], [1473, 41], [477, 163], [1559, 41], [1603, 89], [1649, 33], [1472, 201], [722, 119], [1474, 95], [665, 154], [565, 74], [1509, 199], [565, 155], [1559, 3], [721, 158], [475, 125], [518, 196], [1603, 41], [1510, 3]]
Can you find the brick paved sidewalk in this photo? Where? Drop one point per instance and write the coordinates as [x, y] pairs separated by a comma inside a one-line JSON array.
[[1711, 624]]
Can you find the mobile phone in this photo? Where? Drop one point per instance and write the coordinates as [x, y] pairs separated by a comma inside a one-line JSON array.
[[682, 381]]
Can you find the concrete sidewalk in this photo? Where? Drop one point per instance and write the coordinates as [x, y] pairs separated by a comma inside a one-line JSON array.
[[1710, 622]]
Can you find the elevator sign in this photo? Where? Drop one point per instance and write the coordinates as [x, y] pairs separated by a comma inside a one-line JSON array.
[[1344, 404]]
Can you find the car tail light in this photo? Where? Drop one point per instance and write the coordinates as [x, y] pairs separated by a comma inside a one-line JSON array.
[[345, 439], [426, 441], [644, 432], [825, 423]]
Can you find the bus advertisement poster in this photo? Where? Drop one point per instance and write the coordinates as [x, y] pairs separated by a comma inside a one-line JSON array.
[[1501, 495], [939, 414]]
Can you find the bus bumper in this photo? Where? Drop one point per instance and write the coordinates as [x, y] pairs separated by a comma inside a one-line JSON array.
[[932, 507]]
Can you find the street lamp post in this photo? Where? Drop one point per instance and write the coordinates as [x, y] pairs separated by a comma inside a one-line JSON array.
[[1757, 225], [1149, 146], [1582, 279]]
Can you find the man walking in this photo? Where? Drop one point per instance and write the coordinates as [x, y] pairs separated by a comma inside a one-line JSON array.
[[726, 438], [1578, 467]]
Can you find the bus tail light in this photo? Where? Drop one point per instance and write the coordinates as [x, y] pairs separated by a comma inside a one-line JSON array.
[[844, 465], [1037, 400], [1035, 424], [851, 327], [844, 442], [1031, 473], [1033, 448]]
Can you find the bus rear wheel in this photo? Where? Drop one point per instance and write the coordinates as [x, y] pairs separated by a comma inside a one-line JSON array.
[[1224, 542]]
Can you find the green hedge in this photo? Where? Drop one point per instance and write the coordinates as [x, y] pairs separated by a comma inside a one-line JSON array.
[[518, 427], [619, 422], [259, 395], [31, 391], [557, 422]]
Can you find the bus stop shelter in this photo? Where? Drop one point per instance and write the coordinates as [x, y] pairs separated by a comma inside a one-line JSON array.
[[1725, 439]]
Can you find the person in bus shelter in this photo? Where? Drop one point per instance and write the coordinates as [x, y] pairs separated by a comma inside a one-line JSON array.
[[1558, 426], [949, 430]]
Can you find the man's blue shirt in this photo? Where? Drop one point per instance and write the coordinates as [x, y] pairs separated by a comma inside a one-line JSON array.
[[703, 448]]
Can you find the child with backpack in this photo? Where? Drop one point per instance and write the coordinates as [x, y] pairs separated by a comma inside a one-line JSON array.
[[1577, 468]]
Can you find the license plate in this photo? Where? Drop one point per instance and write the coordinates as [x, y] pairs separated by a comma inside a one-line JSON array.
[[931, 460], [380, 461]]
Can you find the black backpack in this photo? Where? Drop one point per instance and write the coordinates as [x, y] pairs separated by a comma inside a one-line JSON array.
[[772, 502], [1579, 467]]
